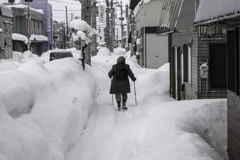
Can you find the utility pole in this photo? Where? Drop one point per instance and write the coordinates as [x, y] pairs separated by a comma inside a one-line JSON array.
[[112, 29], [88, 57], [28, 26], [121, 24], [67, 26], [107, 24], [94, 25]]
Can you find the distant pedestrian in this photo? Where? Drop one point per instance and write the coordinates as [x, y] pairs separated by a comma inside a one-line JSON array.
[[120, 84]]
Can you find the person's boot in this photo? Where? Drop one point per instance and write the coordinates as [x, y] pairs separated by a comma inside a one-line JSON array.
[[124, 104], [119, 105]]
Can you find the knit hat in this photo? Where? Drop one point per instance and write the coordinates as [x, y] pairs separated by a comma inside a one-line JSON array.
[[121, 59]]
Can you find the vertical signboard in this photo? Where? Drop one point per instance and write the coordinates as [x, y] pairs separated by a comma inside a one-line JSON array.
[[101, 11]]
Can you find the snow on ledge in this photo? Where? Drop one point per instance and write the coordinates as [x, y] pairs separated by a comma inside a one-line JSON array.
[[24, 6], [19, 37], [38, 38]]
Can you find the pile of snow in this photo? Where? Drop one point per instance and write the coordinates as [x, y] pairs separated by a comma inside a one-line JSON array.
[[44, 108], [19, 37], [38, 38], [194, 129], [84, 31], [80, 25], [5, 66], [119, 51], [16, 54], [104, 51], [26, 56]]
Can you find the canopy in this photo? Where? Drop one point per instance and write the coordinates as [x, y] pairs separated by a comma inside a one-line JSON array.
[[213, 9]]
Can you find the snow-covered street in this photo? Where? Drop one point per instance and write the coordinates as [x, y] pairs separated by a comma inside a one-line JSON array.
[[56, 111]]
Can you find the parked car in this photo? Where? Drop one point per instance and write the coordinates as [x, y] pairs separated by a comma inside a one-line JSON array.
[[60, 54]]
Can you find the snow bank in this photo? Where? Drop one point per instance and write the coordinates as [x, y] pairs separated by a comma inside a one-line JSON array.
[[195, 129], [104, 51], [119, 51], [156, 82], [5, 66], [44, 108], [26, 56]]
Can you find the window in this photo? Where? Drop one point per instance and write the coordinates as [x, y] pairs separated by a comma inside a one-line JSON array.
[[36, 24], [40, 25], [189, 64], [33, 23]]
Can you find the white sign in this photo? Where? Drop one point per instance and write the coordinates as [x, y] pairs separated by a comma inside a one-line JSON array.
[[101, 13]]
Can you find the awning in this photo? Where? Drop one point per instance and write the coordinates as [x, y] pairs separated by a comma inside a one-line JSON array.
[[170, 12], [217, 10], [8, 42]]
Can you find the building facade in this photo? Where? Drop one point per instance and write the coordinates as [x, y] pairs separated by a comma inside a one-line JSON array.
[[226, 13], [143, 34], [6, 24], [197, 58], [47, 21], [20, 26]]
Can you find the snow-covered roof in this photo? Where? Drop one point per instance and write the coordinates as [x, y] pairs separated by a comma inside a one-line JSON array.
[[38, 38], [22, 6], [212, 9], [19, 37]]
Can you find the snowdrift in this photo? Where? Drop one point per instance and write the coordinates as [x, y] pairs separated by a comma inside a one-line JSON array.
[[44, 108]]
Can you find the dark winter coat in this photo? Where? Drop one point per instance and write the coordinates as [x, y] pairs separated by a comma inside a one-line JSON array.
[[123, 86]]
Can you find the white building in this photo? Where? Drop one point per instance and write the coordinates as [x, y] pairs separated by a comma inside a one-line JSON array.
[[152, 48]]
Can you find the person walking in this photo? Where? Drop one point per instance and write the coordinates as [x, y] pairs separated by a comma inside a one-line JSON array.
[[120, 85]]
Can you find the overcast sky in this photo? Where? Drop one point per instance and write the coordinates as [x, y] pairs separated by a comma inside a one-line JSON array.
[[74, 8]]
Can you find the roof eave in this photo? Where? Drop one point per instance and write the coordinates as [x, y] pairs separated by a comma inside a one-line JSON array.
[[215, 20]]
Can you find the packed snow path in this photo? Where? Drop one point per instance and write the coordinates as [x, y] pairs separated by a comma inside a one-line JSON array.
[[113, 135]]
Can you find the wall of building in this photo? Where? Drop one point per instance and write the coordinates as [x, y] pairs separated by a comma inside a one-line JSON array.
[[156, 50], [233, 126], [6, 34], [152, 12]]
